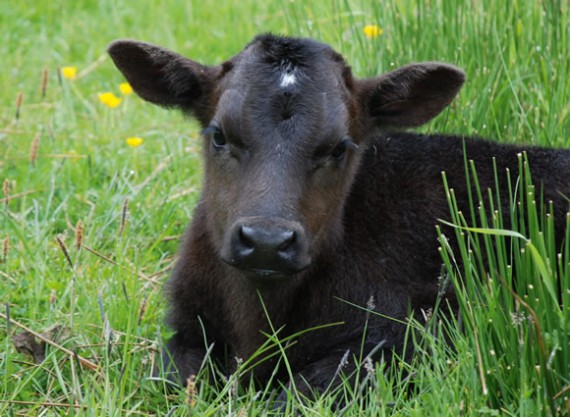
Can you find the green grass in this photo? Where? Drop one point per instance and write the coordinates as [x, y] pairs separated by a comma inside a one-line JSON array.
[[512, 355]]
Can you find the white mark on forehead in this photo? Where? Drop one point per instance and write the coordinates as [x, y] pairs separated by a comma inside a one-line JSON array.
[[288, 74], [287, 79]]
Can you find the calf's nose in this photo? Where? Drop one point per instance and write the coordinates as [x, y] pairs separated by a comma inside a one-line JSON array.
[[266, 248], [265, 240]]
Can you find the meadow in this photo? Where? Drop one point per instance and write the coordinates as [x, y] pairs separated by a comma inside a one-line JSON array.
[[97, 190]]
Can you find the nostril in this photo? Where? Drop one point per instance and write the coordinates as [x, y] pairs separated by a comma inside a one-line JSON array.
[[246, 237], [288, 239]]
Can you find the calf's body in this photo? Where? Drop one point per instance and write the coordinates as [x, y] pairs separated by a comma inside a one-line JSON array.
[[311, 203]]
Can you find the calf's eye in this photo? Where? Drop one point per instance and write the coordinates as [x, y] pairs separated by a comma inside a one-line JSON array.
[[340, 149], [218, 139]]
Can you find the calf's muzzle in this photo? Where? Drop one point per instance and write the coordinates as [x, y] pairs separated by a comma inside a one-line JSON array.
[[266, 248]]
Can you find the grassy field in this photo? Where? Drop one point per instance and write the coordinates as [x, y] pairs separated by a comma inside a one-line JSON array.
[[89, 223]]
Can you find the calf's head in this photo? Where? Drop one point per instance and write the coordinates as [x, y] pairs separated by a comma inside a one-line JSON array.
[[285, 124]]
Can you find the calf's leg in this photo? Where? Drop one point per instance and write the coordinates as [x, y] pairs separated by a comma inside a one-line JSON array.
[[180, 360]]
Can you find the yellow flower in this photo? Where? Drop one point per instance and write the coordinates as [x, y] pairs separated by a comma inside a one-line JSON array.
[[134, 141], [109, 100], [69, 72], [126, 89], [372, 31]]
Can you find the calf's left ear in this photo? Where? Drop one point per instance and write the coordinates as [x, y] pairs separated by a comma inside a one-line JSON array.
[[412, 95], [163, 77]]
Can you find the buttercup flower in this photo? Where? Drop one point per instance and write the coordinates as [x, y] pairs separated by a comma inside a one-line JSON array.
[[109, 99], [126, 89], [69, 72], [372, 31], [134, 141]]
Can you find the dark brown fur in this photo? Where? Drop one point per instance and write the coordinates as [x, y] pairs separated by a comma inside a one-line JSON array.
[[303, 175]]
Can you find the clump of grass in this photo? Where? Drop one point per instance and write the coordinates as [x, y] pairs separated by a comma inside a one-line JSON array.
[[511, 288]]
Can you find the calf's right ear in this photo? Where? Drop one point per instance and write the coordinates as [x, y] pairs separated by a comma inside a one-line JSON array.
[[162, 76], [412, 95]]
